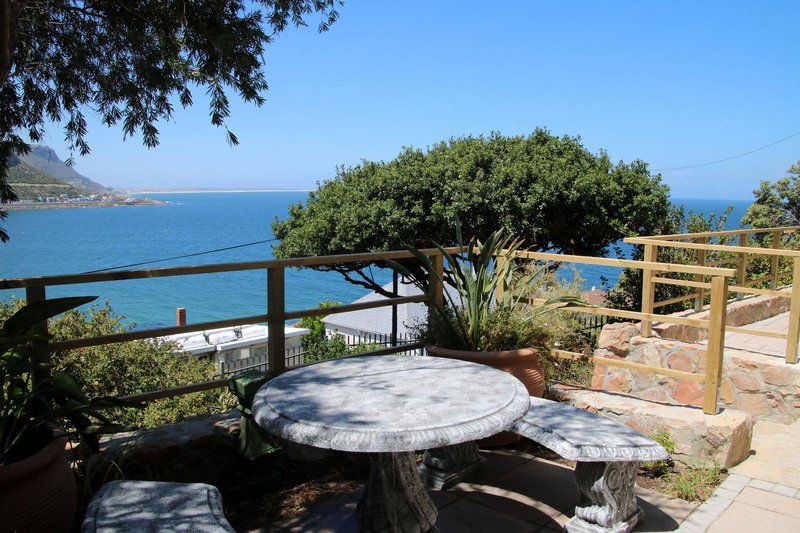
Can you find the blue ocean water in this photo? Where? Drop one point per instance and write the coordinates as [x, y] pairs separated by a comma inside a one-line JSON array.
[[65, 241]]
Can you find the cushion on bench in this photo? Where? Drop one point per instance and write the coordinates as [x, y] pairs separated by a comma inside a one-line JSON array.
[[149, 506], [579, 435]]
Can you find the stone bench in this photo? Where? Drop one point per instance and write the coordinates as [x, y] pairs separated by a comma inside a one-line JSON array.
[[150, 506], [607, 454]]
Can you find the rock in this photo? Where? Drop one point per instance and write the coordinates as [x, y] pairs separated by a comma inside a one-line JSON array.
[[680, 360], [726, 391], [688, 393], [745, 382], [778, 375], [755, 404], [616, 337], [620, 382]]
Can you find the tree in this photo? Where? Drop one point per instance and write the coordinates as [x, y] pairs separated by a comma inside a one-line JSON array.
[[131, 62], [548, 190], [776, 204]]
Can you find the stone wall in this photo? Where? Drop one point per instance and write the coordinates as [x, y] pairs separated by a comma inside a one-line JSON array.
[[762, 385], [700, 439]]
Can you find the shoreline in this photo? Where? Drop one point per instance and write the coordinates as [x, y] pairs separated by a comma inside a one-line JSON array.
[[203, 191], [76, 205]]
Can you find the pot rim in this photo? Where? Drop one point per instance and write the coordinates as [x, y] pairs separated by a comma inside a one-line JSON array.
[[25, 469], [503, 354]]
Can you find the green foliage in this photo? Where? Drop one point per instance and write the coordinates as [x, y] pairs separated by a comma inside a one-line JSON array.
[[484, 310], [318, 347], [694, 484], [315, 325], [129, 64], [127, 368], [660, 468], [627, 293], [549, 191], [777, 203], [34, 397], [30, 183]]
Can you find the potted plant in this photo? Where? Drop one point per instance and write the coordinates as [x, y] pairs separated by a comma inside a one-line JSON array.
[[40, 412], [486, 317]]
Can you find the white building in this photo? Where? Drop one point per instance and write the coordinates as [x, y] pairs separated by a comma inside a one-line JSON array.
[[375, 325], [238, 347]]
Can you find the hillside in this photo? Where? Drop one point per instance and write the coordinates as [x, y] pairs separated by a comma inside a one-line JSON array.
[[30, 183], [45, 158]]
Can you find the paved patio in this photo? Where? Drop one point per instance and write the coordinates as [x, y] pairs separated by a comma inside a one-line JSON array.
[[766, 345], [762, 493], [514, 492]]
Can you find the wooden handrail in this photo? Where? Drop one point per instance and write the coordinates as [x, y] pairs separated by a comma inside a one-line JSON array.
[[119, 275], [713, 247], [720, 233]]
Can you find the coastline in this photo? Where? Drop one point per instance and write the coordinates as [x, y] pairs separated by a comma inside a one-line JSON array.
[[77, 205], [207, 191]]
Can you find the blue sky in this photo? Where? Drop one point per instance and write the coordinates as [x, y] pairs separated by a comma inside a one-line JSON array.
[[674, 84]]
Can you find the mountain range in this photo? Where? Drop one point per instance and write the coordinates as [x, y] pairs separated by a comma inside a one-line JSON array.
[[42, 173]]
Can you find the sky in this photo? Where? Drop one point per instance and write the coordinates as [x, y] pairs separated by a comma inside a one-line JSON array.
[[671, 83]]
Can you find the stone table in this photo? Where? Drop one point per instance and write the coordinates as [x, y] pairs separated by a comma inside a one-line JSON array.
[[391, 406]]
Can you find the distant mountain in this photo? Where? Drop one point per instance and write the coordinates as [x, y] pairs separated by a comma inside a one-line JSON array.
[[30, 183], [45, 158]]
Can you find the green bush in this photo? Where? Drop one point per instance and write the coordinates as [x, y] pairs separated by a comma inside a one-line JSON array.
[[130, 367]]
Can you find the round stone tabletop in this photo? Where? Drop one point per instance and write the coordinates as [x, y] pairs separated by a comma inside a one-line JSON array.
[[390, 403]]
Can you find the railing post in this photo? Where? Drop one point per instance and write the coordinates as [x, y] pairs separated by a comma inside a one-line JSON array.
[[499, 264], [648, 288], [741, 268], [436, 287], [777, 237], [701, 261], [276, 348], [794, 315], [716, 343], [395, 288], [40, 349]]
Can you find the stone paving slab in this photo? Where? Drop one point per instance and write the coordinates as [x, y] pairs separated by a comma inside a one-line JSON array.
[[774, 457], [514, 492]]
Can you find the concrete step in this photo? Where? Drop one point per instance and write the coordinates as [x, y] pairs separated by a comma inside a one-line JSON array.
[[700, 439]]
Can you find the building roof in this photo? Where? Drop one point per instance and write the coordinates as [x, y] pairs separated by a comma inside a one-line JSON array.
[[231, 338], [379, 320]]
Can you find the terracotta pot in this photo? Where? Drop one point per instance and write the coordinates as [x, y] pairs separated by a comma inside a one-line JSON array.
[[523, 364], [38, 493]]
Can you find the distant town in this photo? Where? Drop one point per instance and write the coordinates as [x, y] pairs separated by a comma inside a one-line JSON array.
[[91, 200]]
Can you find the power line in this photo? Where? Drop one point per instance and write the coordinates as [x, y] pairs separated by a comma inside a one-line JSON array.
[[182, 256], [795, 134]]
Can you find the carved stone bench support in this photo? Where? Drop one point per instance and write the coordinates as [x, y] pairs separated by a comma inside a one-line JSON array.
[[607, 502]]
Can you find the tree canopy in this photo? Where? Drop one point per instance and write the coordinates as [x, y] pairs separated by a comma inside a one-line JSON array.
[[776, 203], [550, 191], [130, 62]]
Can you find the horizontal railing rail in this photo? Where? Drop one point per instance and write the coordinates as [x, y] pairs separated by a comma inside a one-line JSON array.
[[737, 255]]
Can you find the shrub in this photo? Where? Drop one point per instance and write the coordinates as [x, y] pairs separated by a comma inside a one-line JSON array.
[[129, 367]]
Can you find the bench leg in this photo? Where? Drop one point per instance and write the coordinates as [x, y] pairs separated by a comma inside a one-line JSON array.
[[444, 467], [606, 501]]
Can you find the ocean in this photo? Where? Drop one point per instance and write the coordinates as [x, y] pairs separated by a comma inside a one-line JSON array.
[[68, 241]]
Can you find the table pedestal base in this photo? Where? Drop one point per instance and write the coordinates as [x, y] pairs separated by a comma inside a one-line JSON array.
[[394, 500], [447, 466], [607, 503]]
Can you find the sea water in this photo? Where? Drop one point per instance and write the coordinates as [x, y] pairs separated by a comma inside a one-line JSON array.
[[68, 241]]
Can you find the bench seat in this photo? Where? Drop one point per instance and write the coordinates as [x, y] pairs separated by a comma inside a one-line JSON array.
[[150, 506], [579, 435], [607, 454]]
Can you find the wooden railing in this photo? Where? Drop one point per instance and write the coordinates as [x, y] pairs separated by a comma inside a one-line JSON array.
[[275, 317], [715, 324], [710, 254], [276, 313]]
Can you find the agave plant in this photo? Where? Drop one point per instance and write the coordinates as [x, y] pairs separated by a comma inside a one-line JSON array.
[[485, 279], [34, 399]]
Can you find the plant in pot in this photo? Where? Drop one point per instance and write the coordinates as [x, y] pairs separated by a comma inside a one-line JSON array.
[[486, 316], [40, 411]]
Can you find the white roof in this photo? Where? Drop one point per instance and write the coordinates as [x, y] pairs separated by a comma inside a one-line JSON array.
[[231, 338], [379, 320]]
